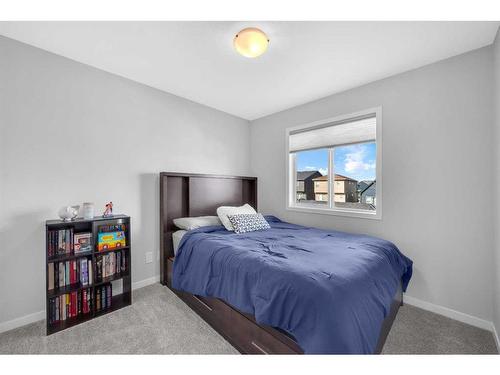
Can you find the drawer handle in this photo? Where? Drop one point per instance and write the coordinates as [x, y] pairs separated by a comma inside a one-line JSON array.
[[203, 303], [259, 348]]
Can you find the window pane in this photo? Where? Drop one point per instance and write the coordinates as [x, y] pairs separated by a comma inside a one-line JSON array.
[[355, 176], [311, 178]]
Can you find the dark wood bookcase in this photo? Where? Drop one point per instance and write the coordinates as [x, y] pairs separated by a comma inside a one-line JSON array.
[[89, 226]]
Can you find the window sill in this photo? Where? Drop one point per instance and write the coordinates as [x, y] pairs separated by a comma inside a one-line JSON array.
[[337, 212]]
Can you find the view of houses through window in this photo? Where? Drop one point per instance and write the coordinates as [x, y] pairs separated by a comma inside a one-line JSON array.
[[354, 168]]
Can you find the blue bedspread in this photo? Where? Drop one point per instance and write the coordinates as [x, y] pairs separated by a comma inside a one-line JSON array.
[[331, 290]]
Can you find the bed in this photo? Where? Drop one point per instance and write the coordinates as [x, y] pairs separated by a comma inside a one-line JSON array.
[[183, 195]]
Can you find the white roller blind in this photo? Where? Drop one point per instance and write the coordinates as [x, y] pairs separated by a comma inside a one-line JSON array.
[[329, 135]]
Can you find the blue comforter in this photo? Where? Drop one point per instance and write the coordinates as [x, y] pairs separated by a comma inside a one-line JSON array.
[[330, 290]]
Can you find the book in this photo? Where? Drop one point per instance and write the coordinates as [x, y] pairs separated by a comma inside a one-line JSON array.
[[118, 262], [103, 297], [89, 269], [107, 271], [61, 274], [89, 300], [84, 301], [71, 273], [124, 262], [79, 303], [98, 269], [51, 276], [74, 304], [98, 299], [112, 263], [108, 295], [84, 272], [66, 276], [110, 240], [58, 316]]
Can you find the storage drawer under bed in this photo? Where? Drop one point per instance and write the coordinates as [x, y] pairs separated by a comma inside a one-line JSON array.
[[241, 331]]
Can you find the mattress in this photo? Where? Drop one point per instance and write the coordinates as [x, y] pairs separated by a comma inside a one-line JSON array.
[[176, 239]]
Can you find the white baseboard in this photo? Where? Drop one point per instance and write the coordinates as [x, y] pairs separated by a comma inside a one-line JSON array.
[[449, 313], [497, 340], [40, 315], [146, 282], [22, 321]]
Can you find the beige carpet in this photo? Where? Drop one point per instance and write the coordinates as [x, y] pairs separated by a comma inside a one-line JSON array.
[[159, 323]]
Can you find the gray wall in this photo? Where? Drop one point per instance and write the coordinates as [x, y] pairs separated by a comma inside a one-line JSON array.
[[70, 133], [496, 263], [437, 130]]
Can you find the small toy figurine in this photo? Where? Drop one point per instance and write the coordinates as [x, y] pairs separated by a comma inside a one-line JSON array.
[[109, 210]]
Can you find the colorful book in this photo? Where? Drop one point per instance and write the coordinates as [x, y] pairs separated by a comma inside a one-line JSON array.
[[110, 240]]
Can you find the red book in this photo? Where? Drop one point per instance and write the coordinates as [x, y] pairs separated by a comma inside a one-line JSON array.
[[84, 301]]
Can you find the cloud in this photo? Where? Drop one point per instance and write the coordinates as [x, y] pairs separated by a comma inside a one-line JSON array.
[[323, 171], [354, 161]]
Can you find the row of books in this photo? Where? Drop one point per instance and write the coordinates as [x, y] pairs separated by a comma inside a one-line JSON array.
[[112, 228], [60, 242], [65, 241], [103, 297], [110, 264], [70, 305], [62, 274]]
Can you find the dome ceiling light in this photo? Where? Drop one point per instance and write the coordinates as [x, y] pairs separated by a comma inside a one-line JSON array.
[[251, 42]]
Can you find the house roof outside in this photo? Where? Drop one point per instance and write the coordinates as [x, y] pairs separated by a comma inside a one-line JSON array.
[[368, 189], [338, 177], [304, 175], [362, 185]]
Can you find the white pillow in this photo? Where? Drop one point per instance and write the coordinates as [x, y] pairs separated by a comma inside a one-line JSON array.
[[190, 223], [224, 211]]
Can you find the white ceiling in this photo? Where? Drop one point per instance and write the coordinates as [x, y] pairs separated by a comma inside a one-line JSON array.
[[305, 60]]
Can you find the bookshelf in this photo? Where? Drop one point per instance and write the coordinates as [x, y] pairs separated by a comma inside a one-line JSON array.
[[82, 283]]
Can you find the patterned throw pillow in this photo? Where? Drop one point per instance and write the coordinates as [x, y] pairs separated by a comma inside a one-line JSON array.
[[243, 223]]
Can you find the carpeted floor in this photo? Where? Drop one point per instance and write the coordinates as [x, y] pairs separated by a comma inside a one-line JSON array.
[[159, 323]]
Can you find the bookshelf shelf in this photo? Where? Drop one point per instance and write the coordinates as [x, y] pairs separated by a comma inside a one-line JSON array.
[[111, 278], [64, 266], [63, 258], [66, 289], [111, 250]]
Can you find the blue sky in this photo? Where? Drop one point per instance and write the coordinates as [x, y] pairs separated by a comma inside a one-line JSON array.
[[355, 161]]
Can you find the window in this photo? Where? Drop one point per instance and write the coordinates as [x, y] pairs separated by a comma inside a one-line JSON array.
[[347, 148]]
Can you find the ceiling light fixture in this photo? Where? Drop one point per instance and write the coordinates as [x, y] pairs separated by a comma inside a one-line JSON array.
[[251, 42]]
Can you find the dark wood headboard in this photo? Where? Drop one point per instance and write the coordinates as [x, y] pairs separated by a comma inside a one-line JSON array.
[[184, 195]]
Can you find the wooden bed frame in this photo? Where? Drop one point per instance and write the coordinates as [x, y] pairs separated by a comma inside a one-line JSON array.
[[184, 195]]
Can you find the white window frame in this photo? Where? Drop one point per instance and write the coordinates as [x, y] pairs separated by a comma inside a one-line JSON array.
[[291, 203]]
